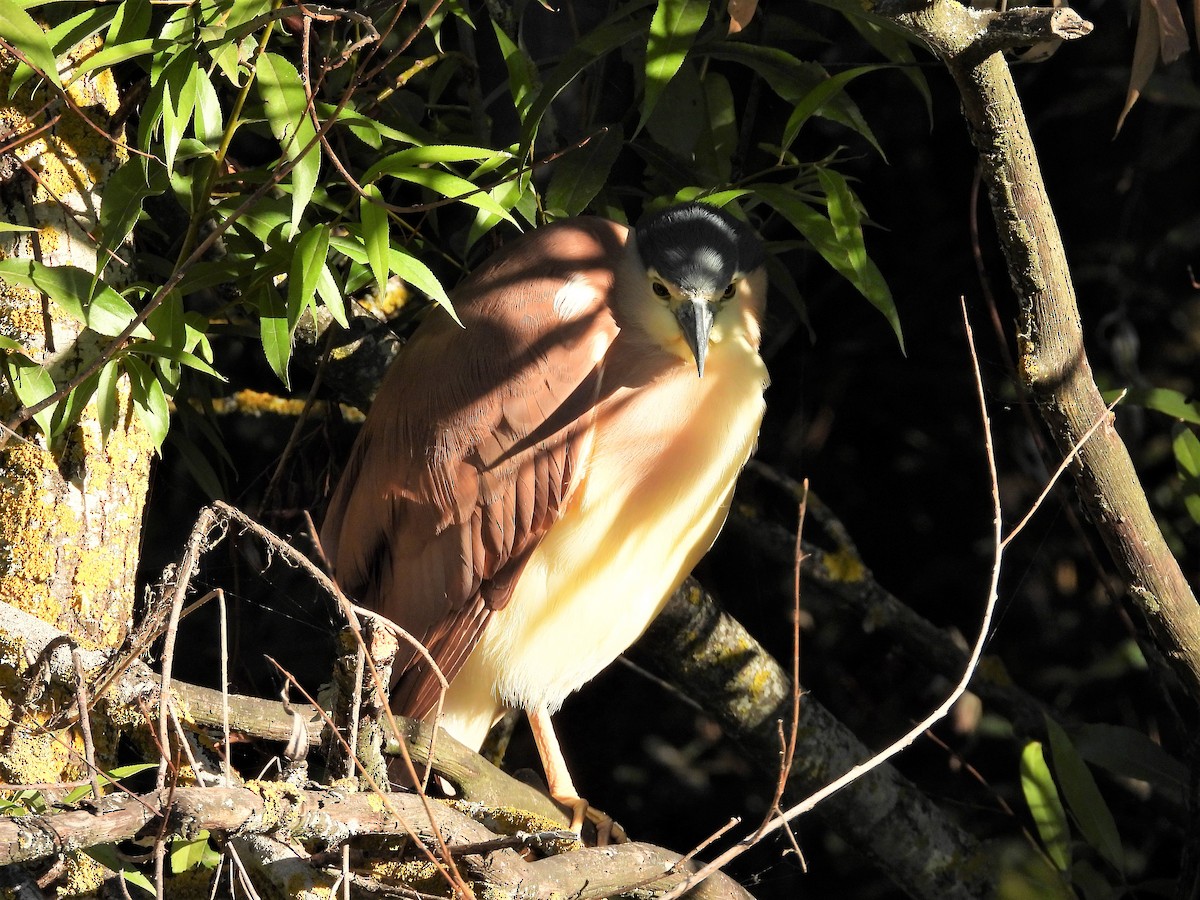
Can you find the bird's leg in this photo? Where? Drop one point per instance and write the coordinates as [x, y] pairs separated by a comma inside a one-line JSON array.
[[562, 789]]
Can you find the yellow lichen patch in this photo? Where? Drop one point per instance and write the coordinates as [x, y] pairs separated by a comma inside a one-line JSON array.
[[386, 305], [259, 403], [842, 565], [281, 804], [34, 755], [509, 820]]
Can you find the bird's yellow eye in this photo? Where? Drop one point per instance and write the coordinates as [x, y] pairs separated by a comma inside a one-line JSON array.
[[660, 290], [729, 291]]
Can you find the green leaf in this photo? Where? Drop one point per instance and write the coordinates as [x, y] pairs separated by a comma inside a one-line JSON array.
[[827, 239], [106, 398], [376, 237], [176, 354], [32, 384], [125, 192], [673, 30], [1044, 804], [286, 107], [209, 123], [792, 80], [522, 73], [68, 410], [19, 29], [580, 174], [722, 124], [814, 101], [149, 400], [416, 273], [103, 310], [113, 55], [452, 187], [132, 18], [1091, 814], [1128, 753], [106, 855], [414, 157], [193, 854], [331, 295], [309, 259], [275, 331], [177, 90], [6, 227], [1186, 447], [66, 35], [1163, 400]]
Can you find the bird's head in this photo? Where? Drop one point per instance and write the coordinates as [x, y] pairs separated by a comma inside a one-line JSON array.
[[696, 262]]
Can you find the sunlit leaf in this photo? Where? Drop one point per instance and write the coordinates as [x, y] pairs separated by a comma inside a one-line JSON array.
[[413, 157], [827, 239], [307, 264], [275, 330], [103, 310], [32, 384], [106, 855], [132, 18], [19, 29], [209, 120], [376, 237], [68, 410], [522, 73], [106, 397], [193, 854], [1187, 457], [286, 107], [1091, 814], [452, 187], [673, 30], [64, 36], [1163, 400], [124, 193], [1045, 806], [178, 355], [149, 400]]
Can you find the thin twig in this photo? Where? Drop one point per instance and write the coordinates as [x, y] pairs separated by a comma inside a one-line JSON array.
[[1062, 467], [85, 723]]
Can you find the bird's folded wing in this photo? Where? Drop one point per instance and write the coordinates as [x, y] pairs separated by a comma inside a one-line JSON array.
[[476, 439]]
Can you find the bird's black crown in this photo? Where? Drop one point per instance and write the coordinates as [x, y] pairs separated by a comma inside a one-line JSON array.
[[697, 246]]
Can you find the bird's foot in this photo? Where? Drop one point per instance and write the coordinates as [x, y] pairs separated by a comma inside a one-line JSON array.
[[608, 830]]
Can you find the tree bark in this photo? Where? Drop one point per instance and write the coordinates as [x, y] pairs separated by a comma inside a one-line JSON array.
[[71, 528], [1053, 363]]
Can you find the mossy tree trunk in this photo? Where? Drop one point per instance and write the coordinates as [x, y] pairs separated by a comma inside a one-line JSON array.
[[72, 507]]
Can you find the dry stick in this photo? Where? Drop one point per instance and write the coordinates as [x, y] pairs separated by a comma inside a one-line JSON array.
[[912, 734], [85, 722], [1062, 467], [224, 616], [349, 610], [453, 877], [788, 745]]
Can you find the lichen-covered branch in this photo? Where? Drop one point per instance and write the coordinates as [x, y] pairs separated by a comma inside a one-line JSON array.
[[705, 652], [1053, 362], [293, 817]]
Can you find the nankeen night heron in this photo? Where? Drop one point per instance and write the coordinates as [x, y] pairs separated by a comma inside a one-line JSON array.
[[529, 489]]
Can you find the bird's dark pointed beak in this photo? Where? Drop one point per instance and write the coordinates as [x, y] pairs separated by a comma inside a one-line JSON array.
[[695, 318]]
